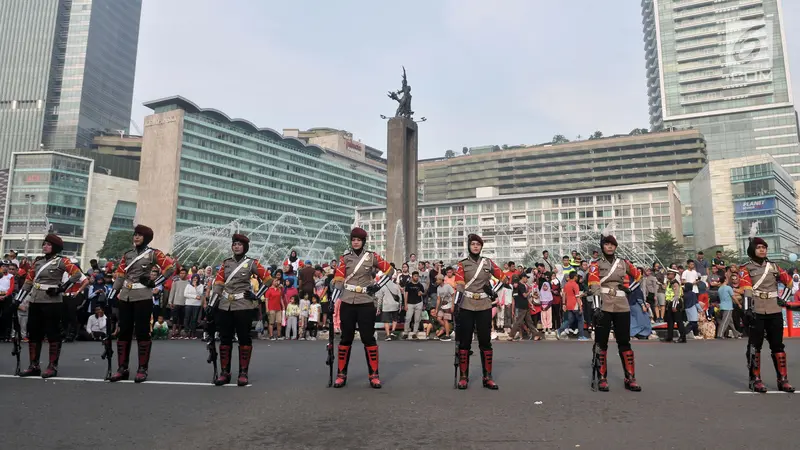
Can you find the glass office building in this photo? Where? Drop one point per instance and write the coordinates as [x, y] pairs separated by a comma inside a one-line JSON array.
[[200, 168], [47, 192], [66, 71], [765, 193], [720, 66]]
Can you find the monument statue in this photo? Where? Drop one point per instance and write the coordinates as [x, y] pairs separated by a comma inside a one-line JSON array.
[[403, 98]]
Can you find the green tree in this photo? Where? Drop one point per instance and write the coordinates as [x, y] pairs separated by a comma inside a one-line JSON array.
[[505, 147], [449, 154], [596, 135], [728, 255], [465, 151], [560, 139], [115, 244], [638, 131], [665, 246]]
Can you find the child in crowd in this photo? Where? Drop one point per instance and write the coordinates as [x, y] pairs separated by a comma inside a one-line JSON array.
[[314, 311], [304, 307], [546, 296], [160, 329], [292, 314]]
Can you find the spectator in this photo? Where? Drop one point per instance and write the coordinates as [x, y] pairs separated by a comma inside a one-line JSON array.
[[725, 293], [424, 276], [702, 266], [193, 294], [795, 283], [160, 329], [388, 308], [292, 316], [546, 297], [717, 260], [306, 280], [96, 326], [177, 302], [522, 315], [302, 320], [314, 312], [404, 276], [572, 308], [274, 297], [414, 292], [445, 295], [450, 277], [651, 289]]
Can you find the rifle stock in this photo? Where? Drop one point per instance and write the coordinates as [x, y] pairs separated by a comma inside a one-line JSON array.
[[17, 340], [108, 349]]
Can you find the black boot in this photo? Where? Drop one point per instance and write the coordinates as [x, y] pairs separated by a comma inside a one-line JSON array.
[[343, 361]]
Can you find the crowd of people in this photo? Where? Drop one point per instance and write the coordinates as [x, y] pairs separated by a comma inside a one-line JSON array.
[[548, 299]]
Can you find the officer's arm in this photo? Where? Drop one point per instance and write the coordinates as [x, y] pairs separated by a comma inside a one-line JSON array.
[[167, 267], [746, 283]]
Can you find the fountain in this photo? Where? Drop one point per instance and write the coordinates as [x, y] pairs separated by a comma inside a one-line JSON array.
[[270, 241]]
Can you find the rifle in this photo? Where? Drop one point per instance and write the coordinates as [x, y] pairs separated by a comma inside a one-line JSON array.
[[17, 349], [329, 346], [108, 349], [210, 329], [751, 359], [455, 331]]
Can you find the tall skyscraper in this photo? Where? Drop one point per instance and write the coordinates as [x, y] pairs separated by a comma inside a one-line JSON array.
[[66, 71], [720, 66]]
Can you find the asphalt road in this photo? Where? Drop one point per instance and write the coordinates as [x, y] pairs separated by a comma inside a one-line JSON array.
[[689, 401]]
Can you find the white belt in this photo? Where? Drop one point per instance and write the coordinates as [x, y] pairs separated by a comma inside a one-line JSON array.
[[354, 288], [44, 287], [612, 292], [475, 295], [232, 297], [765, 295], [134, 285]]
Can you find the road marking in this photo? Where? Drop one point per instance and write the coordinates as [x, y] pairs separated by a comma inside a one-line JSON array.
[[768, 392], [100, 380]]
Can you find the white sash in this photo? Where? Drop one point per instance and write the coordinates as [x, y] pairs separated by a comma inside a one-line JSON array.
[[244, 261], [358, 266], [140, 256], [480, 266], [613, 269], [763, 277], [44, 266]]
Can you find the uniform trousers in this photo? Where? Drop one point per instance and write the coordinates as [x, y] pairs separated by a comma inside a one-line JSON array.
[[622, 329], [44, 319], [135, 316], [363, 315], [671, 318], [480, 322], [773, 325], [239, 322]]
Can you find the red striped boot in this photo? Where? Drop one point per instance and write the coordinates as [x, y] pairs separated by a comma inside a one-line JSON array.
[[55, 353], [630, 371], [245, 351], [779, 359], [344, 361], [372, 364], [602, 362], [34, 351], [144, 360], [123, 356], [756, 384], [225, 363], [463, 369], [486, 359]]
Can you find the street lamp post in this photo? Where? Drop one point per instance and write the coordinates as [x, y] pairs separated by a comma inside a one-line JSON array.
[[29, 198]]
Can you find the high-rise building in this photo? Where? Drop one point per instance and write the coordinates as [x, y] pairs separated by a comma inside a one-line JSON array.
[[66, 71], [721, 67]]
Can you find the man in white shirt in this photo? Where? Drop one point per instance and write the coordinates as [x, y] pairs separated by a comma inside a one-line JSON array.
[[96, 326], [690, 276]]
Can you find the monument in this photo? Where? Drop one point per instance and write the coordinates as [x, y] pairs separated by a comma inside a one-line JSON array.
[[401, 184]]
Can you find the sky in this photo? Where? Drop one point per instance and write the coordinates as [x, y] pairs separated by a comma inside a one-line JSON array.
[[482, 72]]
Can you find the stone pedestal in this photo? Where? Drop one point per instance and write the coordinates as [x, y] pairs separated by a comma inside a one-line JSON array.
[[401, 190]]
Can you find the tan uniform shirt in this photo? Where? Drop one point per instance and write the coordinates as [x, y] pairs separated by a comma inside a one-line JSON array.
[[232, 285], [48, 273], [765, 298], [132, 268], [475, 299], [608, 284], [353, 283]]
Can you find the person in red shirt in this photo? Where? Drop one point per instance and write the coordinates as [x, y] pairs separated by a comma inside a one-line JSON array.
[[572, 306], [274, 300]]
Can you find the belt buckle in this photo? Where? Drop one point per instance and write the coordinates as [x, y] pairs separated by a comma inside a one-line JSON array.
[[37, 286], [476, 296], [129, 285], [231, 297], [359, 289], [763, 295], [612, 292]]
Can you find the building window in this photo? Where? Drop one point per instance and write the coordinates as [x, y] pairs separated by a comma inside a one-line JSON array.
[[603, 199], [585, 201], [568, 201]]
